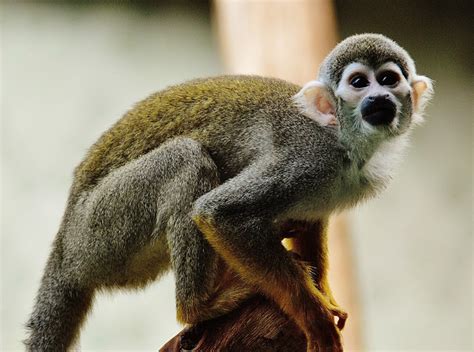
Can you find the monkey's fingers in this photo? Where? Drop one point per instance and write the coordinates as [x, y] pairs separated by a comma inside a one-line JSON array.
[[341, 317], [336, 311], [339, 313]]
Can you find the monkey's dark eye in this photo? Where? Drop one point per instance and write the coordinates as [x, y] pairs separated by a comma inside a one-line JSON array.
[[359, 81], [388, 78]]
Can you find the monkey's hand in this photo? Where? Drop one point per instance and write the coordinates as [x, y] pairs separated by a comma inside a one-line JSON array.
[[337, 312], [328, 336], [307, 243], [331, 304]]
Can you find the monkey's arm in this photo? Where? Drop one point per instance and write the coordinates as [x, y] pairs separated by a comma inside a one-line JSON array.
[[237, 219], [309, 242]]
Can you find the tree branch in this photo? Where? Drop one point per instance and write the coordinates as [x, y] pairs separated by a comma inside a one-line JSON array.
[[257, 325]]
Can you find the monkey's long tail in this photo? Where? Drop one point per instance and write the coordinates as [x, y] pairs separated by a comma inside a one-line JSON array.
[[59, 309]]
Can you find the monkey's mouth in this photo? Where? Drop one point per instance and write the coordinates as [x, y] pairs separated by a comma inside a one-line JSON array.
[[378, 112]]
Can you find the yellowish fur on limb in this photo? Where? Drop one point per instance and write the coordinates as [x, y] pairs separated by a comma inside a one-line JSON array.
[[258, 324]]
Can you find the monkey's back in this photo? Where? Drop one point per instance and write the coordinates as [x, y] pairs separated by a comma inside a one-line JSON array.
[[214, 111], [198, 109]]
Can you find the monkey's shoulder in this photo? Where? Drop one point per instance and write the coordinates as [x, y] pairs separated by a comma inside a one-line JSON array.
[[313, 151]]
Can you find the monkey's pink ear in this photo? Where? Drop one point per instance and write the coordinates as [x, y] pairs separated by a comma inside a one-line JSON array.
[[315, 101], [422, 91]]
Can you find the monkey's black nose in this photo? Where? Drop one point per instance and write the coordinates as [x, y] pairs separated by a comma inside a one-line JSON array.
[[378, 110]]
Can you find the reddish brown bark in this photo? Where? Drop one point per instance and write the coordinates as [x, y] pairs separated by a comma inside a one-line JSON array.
[[258, 325]]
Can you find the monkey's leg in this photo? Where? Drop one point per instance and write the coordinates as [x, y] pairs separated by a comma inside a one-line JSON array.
[[114, 235], [199, 296], [151, 196], [311, 244], [203, 290], [236, 218]]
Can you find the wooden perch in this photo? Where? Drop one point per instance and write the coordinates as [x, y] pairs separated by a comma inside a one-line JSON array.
[[258, 325]]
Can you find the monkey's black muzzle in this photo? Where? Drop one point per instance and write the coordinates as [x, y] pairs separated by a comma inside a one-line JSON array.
[[379, 110]]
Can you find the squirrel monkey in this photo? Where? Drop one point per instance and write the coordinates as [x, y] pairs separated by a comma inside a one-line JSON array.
[[221, 169]]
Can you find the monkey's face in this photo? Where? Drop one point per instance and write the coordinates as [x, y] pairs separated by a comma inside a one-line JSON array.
[[372, 101], [375, 100]]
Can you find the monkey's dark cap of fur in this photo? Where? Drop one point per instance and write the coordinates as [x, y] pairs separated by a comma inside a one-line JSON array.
[[369, 48]]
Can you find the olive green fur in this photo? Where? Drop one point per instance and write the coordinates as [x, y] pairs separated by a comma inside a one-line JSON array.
[[201, 109]]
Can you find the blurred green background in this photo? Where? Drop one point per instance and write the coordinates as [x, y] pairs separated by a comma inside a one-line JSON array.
[[69, 70]]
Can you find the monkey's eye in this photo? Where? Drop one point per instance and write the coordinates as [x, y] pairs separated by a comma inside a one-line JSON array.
[[388, 78], [359, 81]]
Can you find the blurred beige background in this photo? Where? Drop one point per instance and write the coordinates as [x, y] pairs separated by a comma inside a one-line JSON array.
[[68, 72]]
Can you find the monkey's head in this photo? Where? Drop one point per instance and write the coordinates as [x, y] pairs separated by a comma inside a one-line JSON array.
[[369, 86]]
